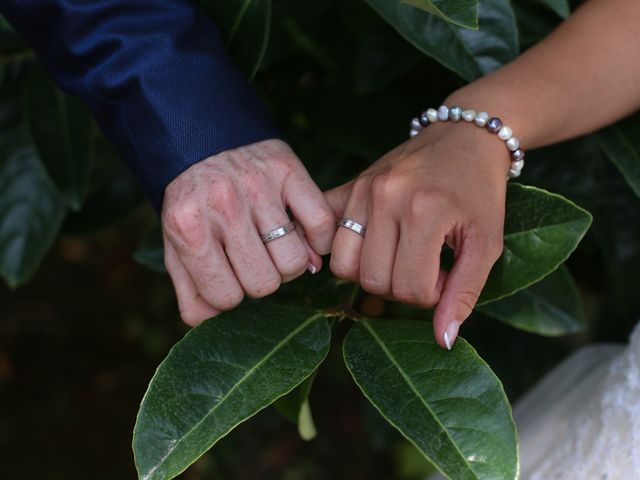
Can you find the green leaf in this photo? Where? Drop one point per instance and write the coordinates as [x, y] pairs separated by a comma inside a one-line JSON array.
[[61, 129], [296, 408], [150, 252], [10, 41], [541, 230], [551, 307], [31, 209], [223, 372], [459, 12], [560, 7], [448, 404], [114, 193], [469, 53], [246, 25], [621, 144]]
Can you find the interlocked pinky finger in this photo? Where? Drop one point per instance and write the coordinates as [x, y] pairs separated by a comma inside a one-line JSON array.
[[193, 308]]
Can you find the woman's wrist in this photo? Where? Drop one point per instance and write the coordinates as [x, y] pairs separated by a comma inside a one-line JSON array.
[[491, 129]]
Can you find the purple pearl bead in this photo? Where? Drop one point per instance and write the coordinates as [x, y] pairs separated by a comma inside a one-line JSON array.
[[517, 154], [423, 119], [494, 124]]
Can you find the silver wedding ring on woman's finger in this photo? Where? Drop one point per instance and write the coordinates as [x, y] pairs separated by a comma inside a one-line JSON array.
[[278, 232], [353, 226]]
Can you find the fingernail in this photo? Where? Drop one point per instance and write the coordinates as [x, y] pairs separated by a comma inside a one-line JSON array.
[[451, 333], [312, 268]]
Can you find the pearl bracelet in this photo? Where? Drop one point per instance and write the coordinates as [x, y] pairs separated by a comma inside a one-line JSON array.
[[482, 120]]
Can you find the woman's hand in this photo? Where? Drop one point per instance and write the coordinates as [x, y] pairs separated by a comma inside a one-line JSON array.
[[445, 186]]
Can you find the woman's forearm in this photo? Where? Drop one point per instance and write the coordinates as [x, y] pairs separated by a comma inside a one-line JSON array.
[[583, 76]]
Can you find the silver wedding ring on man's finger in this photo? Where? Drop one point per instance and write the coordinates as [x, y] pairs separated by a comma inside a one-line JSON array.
[[353, 226], [278, 232]]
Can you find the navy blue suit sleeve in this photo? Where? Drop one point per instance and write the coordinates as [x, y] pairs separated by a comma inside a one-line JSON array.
[[155, 74]]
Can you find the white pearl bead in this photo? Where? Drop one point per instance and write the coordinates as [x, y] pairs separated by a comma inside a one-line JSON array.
[[517, 165], [505, 133], [413, 132], [514, 173], [415, 124], [432, 115], [513, 144], [443, 113], [481, 119], [468, 115]]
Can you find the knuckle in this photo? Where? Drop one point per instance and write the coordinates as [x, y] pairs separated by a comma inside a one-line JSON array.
[[190, 318], [294, 264], [467, 299], [343, 270], [424, 202], [223, 195], [228, 300], [380, 185], [184, 221], [323, 220], [414, 296], [361, 185], [373, 285], [266, 286]]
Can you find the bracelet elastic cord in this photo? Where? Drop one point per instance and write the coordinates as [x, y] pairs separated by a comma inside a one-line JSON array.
[[482, 120]]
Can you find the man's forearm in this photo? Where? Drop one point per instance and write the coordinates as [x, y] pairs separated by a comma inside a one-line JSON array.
[[155, 74], [582, 77]]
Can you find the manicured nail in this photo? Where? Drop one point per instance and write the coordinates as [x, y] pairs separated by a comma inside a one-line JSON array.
[[451, 333], [312, 268]]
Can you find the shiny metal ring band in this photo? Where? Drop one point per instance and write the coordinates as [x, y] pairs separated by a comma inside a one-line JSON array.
[[353, 226], [278, 232]]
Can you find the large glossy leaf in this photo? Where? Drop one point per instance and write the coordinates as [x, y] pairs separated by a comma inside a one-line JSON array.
[[541, 230], [31, 208], [246, 25], [61, 129], [469, 53], [10, 41], [550, 307], [114, 193], [220, 374], [621, 144], [448, 404], [459, 12]]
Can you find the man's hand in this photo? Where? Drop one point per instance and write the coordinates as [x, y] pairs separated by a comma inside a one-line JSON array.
[[214, 213], [446, 186]]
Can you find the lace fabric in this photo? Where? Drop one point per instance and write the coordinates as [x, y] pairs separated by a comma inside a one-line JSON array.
[[582, 421]]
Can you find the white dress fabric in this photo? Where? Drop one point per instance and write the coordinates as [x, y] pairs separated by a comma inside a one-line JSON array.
[[582, 421]]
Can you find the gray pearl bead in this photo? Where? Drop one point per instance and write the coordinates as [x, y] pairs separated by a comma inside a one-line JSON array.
[[413, 132], [517, 154], [494, 124], [424, 119], [455, 113], [443, 113], [432, 115], [415, 124]]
